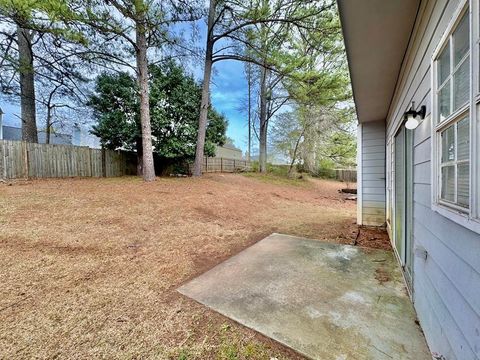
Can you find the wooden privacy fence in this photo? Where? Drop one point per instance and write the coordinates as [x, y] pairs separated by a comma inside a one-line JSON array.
[[20, 160], [347, 175], [211, 165]]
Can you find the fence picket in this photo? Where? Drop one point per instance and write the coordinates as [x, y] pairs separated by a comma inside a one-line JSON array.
[[19, 159], [211, 165]]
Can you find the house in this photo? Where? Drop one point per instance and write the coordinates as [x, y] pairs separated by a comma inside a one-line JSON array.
[[228, 151], [80, 136], [418, 61], [15, 133]]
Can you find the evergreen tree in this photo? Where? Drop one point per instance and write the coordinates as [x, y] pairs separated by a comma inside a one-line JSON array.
[[174, 98]]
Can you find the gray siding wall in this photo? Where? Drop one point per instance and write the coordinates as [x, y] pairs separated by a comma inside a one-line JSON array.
[[447, 284], [372, 178], [228, 152], [14, 133]]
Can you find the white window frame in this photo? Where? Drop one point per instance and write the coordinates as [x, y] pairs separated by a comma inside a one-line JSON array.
[[469, 218]]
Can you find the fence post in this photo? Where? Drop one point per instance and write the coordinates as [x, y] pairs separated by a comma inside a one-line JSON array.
[[221, 164], [25, 158], [91, 162], [104, 162], [234, 165]]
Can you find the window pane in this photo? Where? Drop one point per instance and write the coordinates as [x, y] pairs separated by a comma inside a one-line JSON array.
[[448, 183], [461, 85], [463, 185], [460, 39], [463, 139], [444, 65], [448, 144], [444, 101]]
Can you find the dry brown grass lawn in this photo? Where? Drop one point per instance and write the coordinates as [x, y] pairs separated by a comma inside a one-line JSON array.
[[89, 267]]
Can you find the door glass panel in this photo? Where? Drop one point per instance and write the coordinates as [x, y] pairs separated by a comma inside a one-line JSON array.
[[403, 205], [409, 207], [399, 227]]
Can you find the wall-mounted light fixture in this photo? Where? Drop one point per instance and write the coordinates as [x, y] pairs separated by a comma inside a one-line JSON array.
[[413, 117]]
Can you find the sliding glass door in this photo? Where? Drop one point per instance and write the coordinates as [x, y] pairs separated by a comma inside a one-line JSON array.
[[403, 201]]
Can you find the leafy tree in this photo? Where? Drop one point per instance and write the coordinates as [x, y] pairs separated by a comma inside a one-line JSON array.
[[40, 62], [174, 98], [339, 143], [116, 109], [22, 24], [310, 73], [315, 137], [133, 28], [228, 24], [313, 80], [340, 148]]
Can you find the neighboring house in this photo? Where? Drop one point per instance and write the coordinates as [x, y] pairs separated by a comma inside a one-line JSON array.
[[228, 151], [80, 136], [14, 133], [424, 184]]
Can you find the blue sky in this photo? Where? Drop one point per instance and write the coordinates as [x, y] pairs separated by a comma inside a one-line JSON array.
[[228, 93], [228, 90], [10, 110]]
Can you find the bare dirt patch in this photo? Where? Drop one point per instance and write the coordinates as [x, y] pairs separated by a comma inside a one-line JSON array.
[[89, 267], [372, 237], [382, 275]]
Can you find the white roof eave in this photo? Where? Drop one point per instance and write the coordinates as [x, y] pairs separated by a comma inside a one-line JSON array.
[[377, 34]]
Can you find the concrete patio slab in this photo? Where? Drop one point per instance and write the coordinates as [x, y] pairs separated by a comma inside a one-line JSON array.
[[326, 301]]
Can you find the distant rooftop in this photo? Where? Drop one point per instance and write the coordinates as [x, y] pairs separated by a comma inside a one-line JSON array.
[[15, 133], [230, 146]]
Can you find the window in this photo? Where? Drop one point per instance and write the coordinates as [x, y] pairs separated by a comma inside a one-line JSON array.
[[456, 119], [454, 164], [453, 65], [453, 120]]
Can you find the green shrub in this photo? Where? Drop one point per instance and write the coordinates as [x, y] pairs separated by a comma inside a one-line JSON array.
[[255, 166], [325, 169], [278, 170]]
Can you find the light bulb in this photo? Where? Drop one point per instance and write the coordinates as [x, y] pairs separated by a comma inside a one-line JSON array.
[[411, 123]]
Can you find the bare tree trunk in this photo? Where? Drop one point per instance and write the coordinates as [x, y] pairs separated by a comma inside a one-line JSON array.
[[294, 156], [139, 156], [249, 82], [263, 120], [48, 125], [27, 85], [202, 121], [142, 78]]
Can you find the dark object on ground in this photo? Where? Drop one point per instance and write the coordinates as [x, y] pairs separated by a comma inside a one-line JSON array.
[[349, 191]]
